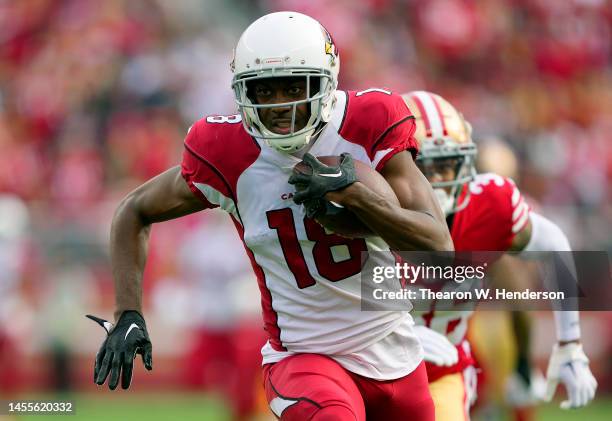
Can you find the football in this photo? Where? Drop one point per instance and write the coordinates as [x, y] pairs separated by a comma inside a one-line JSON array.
[[346, 223]]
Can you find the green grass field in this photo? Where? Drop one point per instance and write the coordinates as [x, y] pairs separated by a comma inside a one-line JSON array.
[[173, 406], [140, 406], [600, 410]]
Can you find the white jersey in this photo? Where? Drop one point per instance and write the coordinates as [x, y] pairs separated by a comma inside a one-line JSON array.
[[309, 279]]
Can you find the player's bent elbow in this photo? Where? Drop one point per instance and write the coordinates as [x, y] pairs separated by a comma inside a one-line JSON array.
[[129, 210], [429, 237], [444, 243], [441, 240], [447, 245], [432, 242]]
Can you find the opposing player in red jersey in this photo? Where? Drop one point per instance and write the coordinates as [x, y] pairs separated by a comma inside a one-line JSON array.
[[485, 212], [324, 359]]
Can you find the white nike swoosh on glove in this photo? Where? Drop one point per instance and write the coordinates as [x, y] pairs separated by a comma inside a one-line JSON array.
[[132, 326], [108, 326], [338, 174]]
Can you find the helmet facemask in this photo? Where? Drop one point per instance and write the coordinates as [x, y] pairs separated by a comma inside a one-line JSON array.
[[462, 160], [320, 86]]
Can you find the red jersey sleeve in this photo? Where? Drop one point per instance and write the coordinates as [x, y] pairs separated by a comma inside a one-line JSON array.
[[520, 209], [495, 213], [381, 122], [195, 170], [217, 152]]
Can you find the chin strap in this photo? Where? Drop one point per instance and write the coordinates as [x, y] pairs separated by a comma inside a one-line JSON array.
[[310, 139]]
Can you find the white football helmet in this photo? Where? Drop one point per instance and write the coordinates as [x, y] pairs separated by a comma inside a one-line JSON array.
[[442, 134], [286, 44]]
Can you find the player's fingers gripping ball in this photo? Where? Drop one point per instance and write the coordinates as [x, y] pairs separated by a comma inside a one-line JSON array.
[[333, 217], [319, 207], [312, 178]]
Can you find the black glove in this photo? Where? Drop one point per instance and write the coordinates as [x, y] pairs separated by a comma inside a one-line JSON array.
[[123, 341], [316, 208], [323, 179]]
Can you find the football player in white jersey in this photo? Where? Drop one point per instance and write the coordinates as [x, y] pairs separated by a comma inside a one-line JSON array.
[[325, 359], [485, 212]]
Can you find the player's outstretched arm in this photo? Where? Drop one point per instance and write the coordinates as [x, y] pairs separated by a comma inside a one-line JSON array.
[[418, 224], [164, 197], [568, 363]]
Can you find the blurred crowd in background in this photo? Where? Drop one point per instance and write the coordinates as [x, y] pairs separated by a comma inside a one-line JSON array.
[[96, 97]]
